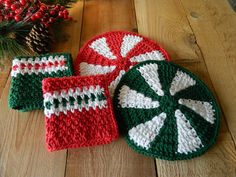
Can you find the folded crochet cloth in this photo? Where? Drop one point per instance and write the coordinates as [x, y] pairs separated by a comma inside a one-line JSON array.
[[27, 74], [114, 53], [166, 111], [78, 112]]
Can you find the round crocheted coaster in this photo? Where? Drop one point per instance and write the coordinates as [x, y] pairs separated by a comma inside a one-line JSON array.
[[114, 53], [165, 111]]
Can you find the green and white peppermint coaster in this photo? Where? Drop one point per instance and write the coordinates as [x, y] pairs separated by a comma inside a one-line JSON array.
[[165, 111]]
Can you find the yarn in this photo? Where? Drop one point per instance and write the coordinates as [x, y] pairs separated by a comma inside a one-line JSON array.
[[28, 72], [165, 111], [78, 112], [113, 53]]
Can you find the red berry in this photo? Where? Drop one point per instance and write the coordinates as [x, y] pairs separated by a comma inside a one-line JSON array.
[[62, 8], [65, 12], [14, 7], [43, 8], [66, 16], [7, 17], [22, 2], [44, 19], [56, 8], [33, 17], [53, 12], [17, 18], [30, 9], [28, 14], [61, 14], [46, 24], [7, 3], [17, 11], [38, 15], [11, 14], [51, 20]]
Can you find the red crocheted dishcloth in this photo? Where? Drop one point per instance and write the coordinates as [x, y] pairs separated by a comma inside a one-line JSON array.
[[78, 112], [113, 53]]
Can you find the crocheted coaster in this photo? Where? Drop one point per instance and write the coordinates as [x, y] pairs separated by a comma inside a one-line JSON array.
[[78, 112], [27, 74], [166, 111], [114, 53]]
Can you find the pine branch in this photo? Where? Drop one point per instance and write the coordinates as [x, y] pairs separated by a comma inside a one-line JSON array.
[[12, 38]]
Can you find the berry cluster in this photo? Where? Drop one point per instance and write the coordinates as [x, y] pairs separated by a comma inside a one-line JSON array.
[[31, 11]]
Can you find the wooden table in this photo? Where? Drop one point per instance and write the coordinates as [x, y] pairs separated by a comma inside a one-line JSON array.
[[198, 34]]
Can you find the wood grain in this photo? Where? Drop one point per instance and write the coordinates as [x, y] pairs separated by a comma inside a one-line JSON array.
[[166, 22], [72, 31], [116, 159], [102, 16], [214, 26], [5, 67], [199, 35], [22, 145]]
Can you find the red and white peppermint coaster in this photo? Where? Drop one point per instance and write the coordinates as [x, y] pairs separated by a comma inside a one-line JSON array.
[[114, 53], [78, 112]]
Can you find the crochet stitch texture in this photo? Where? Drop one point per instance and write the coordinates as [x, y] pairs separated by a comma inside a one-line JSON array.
[[114, 53], [27, 74], [78, 112], [166, 111]]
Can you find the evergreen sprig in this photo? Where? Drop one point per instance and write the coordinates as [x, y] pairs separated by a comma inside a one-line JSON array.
[[12, 38], [13, 31]]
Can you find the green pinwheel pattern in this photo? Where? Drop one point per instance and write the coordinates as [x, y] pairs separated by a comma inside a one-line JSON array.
[[165, 111]]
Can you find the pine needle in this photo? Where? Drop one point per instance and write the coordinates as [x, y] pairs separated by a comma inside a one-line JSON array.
[[12, 39]]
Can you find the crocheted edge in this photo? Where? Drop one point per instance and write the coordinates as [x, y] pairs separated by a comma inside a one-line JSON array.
[[109, 107], [78, 61], [44, 64], [217, 109], [35, 106], [67, 56], [97, 142], [49, 79]]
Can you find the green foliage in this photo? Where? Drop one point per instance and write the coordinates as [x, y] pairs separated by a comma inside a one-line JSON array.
[[12, 34], [12, 38]]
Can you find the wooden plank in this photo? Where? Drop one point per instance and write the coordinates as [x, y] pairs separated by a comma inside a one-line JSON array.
[[217, 162], [213, 23], [22, 145], [102, 16], [115, 159], [72, 31], [166, 22], [5, 67], [22, 149]]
